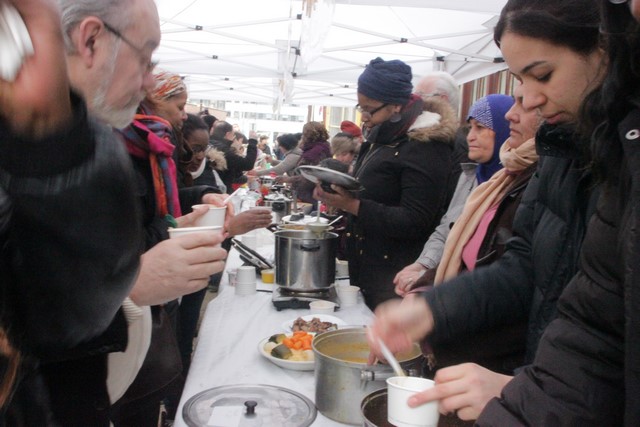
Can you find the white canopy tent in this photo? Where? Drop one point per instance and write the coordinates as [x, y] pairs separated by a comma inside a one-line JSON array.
[[311, 52]]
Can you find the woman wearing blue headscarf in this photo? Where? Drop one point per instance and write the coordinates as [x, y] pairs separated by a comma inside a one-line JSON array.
[[405, 181]]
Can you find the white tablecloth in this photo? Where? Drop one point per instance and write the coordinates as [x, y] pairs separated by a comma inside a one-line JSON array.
[[227, 350]]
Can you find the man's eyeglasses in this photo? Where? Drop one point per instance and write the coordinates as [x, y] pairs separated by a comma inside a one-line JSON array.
[[368, 114], [149, 64]]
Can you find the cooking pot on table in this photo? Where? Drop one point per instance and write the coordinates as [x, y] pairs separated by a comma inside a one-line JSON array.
[[343, 377], [374, 412], [280, 205], [305, 261]]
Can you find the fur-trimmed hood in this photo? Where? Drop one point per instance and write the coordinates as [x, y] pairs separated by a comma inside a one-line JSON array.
[[217, 159], [437, 122]]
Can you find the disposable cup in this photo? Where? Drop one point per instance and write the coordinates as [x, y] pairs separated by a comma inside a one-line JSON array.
[[246, 274], [342, 268], [250, 240], [215, 216], [245, 288], [348, 295], [322, 306], [399, 389], [177, 232], [268, 275]]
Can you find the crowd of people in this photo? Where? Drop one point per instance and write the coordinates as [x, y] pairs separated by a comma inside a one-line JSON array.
[[507, 246]]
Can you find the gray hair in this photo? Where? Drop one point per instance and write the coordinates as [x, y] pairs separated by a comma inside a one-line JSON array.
[[114, 12], [445, 83]]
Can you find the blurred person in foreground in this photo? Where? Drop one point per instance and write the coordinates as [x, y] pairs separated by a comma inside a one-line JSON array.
[[113, 73], [404, 167], [554, 49], [68, 259]]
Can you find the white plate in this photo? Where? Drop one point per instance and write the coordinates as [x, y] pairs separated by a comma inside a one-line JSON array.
[[286, 326], [283, 363]]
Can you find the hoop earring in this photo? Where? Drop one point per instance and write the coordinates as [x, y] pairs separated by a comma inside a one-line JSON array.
[[395, 118]]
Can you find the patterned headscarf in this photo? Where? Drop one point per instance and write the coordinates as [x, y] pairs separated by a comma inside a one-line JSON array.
[[167, 85]]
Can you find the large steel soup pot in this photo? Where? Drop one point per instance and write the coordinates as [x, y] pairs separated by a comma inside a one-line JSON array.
[[305, 261], [343, 377]]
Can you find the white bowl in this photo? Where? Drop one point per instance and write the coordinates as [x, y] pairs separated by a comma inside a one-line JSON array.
[[322, 306], [348, 295], [283, 363]]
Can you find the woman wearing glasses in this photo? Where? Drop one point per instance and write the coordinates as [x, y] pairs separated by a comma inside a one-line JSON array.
[[404, 179]]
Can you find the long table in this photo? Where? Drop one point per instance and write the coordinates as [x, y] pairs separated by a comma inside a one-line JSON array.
[[227, 349]]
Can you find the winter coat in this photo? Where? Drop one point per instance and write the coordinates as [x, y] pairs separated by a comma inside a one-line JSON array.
[[432, 251], [70, 247], [541, 258], [236, 165], [405, 185], [500, 349], [586, 370], [286, 165], [313, 152]]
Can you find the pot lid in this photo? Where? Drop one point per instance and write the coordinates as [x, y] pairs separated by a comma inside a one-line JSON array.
[[249, 405]]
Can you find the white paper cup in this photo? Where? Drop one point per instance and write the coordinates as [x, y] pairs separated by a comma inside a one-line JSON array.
[[342, 268], [322, 306], [246, 274], [245, 288], [250, 240], [348, 295], [215, 216], [177, 232], [399, 413]]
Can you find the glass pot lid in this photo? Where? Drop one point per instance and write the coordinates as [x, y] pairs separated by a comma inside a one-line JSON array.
[[248, 405]]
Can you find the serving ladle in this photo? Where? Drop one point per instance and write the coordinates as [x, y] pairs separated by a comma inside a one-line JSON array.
[[393, 362]]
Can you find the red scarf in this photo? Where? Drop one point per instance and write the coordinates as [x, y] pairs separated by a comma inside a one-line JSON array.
[[148, 137]]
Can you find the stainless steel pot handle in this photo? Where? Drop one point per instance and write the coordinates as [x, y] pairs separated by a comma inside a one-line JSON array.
[[381, 375], [310, 247]]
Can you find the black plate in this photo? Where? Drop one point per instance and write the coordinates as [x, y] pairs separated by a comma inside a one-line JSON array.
[[250, 256], [317, 174]]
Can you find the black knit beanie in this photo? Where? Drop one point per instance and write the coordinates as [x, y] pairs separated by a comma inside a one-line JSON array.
[[386, 81]]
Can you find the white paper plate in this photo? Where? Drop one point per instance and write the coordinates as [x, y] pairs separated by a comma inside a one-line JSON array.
[[286, 326], [283, 363]]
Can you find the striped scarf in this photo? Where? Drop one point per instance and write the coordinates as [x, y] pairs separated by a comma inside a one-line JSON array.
[[148, 137]]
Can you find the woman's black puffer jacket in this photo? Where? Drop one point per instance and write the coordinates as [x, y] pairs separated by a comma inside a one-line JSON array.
[[540, 259]]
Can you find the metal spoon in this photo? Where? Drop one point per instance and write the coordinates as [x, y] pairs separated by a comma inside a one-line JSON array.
[[391, 359]]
